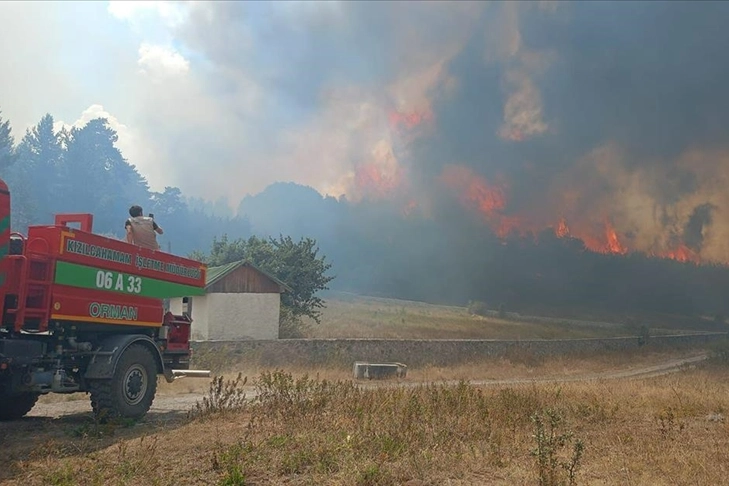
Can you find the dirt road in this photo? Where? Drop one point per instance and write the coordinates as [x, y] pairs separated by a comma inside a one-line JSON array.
[[166, 405]]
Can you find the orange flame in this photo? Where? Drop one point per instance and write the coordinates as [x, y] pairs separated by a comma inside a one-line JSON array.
[[613, 243], [562, 229], [474, 190], [606, 242], [681, 253], [477, 193], [376, 182]]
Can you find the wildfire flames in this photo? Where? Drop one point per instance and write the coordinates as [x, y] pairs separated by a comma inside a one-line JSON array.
[[491, 200], [562, 229], [377, 182], [384, 179], [681, 254], [475, 192], [605, 242]]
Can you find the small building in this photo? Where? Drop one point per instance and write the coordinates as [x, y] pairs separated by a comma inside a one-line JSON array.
[[241, 302]]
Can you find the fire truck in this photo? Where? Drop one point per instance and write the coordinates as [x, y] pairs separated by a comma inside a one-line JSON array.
[[85, 313]]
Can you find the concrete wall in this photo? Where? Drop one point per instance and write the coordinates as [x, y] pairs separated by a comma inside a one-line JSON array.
[[343, 352], [233, 316]]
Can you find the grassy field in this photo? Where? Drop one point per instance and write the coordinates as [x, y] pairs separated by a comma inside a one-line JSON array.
[[315, 426], [354, 316], [667, 430]]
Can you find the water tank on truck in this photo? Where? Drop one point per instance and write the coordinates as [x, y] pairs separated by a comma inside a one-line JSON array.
[[84, 313]]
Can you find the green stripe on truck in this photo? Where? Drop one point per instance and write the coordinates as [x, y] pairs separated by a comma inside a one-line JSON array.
[[86, 277]]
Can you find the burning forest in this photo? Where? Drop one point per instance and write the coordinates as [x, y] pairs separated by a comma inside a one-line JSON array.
[[526, 134], [572, 157]]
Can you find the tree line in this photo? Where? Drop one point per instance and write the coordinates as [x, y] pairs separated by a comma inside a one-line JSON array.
[[81, 170]]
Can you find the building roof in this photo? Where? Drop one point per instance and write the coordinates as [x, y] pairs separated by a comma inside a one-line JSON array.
[[214, 274]]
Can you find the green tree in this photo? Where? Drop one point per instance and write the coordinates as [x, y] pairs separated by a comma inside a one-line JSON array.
[[297, 264], [40, 159], [99, 177], [7, 152], [171, 213], [18, 175]]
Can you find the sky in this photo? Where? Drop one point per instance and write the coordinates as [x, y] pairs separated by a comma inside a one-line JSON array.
[[222, 99], [609, 117]]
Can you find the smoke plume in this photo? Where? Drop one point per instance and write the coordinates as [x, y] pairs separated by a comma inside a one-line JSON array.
[[605, 122], [602, 121]]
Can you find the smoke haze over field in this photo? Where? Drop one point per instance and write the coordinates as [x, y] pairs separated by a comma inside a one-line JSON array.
[[603, 121]]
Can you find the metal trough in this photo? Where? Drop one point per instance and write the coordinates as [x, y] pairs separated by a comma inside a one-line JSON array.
[[378, 371]]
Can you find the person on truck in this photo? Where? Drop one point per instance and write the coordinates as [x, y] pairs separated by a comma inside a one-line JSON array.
[[142, 230]]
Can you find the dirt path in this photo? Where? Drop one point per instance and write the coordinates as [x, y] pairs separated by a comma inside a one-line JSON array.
[[172, 404]]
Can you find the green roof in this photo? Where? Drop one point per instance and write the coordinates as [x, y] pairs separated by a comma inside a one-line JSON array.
[[216, 273]]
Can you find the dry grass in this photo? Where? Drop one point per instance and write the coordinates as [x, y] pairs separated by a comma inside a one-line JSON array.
[[511, 366], [354, 316], [666, 430]]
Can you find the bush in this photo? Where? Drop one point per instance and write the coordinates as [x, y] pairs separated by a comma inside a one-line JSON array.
[[223, 396], [553, 470], [291, 326]]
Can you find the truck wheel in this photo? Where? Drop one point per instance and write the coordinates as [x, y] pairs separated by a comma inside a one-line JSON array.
[[13, 407], [131, 390]]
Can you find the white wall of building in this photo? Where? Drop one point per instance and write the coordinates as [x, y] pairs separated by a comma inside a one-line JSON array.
[[233, 316], [242, 316]]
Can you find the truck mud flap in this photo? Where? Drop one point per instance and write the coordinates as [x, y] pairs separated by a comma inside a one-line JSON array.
[[105, 358]]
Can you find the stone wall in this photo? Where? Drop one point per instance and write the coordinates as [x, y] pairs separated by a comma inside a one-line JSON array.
[[414, 352]]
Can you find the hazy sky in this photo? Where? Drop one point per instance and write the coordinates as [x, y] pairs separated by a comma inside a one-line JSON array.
[[225, 98]]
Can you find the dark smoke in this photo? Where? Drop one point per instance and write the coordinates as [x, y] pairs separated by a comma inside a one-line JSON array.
[[647, 79], [693, 234]]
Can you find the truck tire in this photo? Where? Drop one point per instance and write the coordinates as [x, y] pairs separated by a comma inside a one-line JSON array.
[[13, 407], [130, 392]]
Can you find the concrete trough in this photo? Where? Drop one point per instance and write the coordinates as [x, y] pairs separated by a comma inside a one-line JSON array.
[[379, 371]]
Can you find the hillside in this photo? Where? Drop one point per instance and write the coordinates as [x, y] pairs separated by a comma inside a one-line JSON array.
[[350, 315]]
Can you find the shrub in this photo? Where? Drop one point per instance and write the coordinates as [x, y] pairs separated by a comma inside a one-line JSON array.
[[551, 469], [223, 396]]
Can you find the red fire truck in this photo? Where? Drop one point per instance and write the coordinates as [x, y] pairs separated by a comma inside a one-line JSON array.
[[85, 313]]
